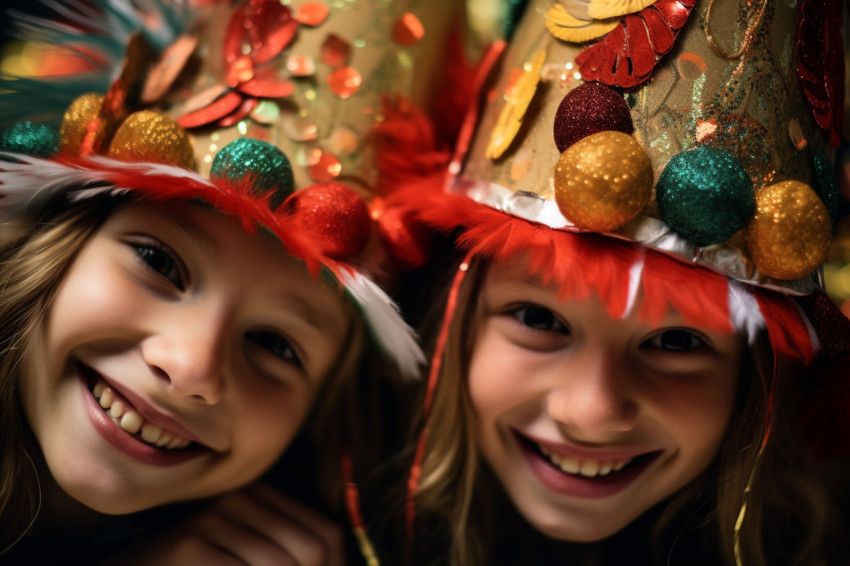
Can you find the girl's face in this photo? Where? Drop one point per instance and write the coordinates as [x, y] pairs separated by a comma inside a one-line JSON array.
[[588, 421], [205, 344]]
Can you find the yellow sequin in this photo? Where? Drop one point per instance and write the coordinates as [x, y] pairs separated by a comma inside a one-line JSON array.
[[518, 99], [568, 28]]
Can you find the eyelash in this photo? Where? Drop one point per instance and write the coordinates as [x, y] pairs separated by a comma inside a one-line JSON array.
[[271, 342], [550, 322], [678, 341], [694, 341], [156, 251]]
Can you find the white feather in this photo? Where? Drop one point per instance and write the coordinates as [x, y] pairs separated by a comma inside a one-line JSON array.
[[744, 311], [635, 276], [388, 328], [29, 182]]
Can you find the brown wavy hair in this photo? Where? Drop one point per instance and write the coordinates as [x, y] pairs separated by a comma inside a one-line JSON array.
[[35, 253]]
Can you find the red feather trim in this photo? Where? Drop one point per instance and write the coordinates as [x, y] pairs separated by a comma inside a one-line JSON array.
[[236, 200], [407, 151], [605, 262], [700, 296], [786, 329]]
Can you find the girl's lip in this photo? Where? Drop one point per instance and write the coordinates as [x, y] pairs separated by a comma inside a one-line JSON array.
[[128, 443], [580, 453], [555, 479], [147, 411]]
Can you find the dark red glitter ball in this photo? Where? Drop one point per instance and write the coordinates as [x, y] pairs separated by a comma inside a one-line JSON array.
[[336, 214], [589, 109]]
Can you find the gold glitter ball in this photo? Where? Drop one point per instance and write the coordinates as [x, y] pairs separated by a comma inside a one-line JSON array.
[[603, 180], [152, 137], [791, 231], [81, 121]]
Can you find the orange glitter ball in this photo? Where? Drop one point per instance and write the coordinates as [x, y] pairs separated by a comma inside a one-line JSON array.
[[408, 29], [313, 13], [345, 82]]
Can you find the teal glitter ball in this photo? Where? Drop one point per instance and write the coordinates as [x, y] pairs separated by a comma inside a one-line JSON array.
[[705, 195], [826, 185], [40, 140], [262, 162]]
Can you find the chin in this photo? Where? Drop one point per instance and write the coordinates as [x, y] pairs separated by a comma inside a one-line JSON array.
[[574, 529]]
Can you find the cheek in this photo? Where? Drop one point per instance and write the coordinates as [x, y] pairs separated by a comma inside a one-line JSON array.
[[503, 380], [92, 299], [489, 377], [698, 416], [267, 416]]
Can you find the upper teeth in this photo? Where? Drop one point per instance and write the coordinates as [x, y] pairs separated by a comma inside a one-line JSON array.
[[131, 421], [586, 468]]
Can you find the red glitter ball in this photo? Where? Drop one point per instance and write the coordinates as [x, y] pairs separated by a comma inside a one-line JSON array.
[[589, 109], [337, 216]]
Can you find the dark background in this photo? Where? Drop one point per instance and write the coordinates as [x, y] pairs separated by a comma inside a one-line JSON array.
[[27, 6]]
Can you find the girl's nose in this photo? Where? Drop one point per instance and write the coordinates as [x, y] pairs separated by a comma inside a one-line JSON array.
[[593, 399], [190, 355]]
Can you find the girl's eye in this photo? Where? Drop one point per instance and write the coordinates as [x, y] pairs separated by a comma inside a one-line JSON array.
[[539, 318], [161, 261], [676, 341], [275, 344]]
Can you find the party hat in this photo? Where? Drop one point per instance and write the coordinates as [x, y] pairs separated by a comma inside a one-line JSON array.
[[702, 131]]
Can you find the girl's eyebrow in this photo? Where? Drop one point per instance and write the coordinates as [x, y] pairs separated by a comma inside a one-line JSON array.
[[520, 281], [192, 229], [313, 316]]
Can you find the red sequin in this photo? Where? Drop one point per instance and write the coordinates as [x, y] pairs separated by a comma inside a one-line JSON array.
[[259, 29], [313, 13], [244, 109], [335, 51], [345, 82], [820, 63], [408, 29], [267, 88], [326, 167], [626, 56], [222, 107]]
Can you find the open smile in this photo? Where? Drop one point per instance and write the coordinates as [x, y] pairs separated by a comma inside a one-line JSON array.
[[590, 477], [123, 426]]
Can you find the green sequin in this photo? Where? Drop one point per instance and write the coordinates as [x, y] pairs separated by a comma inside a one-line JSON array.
[[705, 195], [263, 162], [33, 139]]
